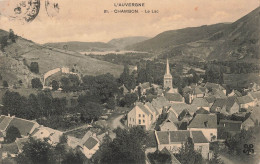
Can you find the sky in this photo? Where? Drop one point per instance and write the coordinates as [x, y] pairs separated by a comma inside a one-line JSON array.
[[85, 20]]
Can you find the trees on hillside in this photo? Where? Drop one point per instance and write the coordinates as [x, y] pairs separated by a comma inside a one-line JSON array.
[[90, 111]]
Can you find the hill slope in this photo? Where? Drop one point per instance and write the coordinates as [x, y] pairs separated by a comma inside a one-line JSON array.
[[19, 55], [121, 43], [236, 41]]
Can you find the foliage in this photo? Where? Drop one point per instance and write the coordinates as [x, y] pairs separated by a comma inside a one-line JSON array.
[[187, 154], [101, 87], [159, 157], [127, 147], [128, 100], [36, 83], [11, 134], [1, 77], [34, 67], [36, 152], [236, 143], [70, 83], [12, 36], [127, 79], [55, 85], [90, 111], [5, 84], [3, 42], [73, 157], [216, 157]]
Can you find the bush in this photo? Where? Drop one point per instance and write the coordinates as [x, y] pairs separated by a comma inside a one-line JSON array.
[[5, 84], [34, 67], [36, 83]]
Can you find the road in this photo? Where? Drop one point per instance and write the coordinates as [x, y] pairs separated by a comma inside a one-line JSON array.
[[114, 122]]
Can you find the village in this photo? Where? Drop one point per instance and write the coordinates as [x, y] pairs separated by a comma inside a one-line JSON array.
[[204, 113]]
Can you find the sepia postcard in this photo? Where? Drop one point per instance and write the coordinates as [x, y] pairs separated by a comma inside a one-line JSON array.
[[129, 81]]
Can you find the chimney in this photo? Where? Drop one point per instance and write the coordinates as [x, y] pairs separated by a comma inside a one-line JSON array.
[[206, 124]]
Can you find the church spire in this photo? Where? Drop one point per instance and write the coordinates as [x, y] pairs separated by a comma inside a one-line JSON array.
[[167, 68]]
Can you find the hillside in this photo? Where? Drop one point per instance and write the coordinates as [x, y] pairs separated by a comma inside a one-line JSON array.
[[81, 46], [235, 41], [121, 43], [17, 56]]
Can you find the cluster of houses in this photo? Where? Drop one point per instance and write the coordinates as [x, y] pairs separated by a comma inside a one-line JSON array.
[[88, 144], [205, 113]]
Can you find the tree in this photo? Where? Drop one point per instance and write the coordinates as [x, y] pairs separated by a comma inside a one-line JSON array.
[[90, 111], [34, 67], [4, 42], [12, 36], [129, 99], [1, 77], [55, 85], [216, 157], [36, 83], [11, 134], [5, 84], [187, 154], [73, 157], [127, 147], [36, 151]]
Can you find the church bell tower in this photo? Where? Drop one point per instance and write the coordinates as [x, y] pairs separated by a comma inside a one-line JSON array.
[[167, 80]]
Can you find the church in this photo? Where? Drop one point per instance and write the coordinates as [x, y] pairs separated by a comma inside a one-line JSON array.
[[170, 93]]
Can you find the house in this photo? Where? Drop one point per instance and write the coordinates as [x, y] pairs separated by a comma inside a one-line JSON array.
[[45, 132], [174, 160], [174, 98], [25, 127], [20, 142], [160, 104], [210, 99], [255, 115], [207, 123], [9, 150], [178, 108], [235, 93], [89, 144], [212, 86], [248, 123], [173, 141], [245, 102], [200, 103], [255, 96], [140, 115], [228, 127], [170, 122], [143, 87], [226, 106]]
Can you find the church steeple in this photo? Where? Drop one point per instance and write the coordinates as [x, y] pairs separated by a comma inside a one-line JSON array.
[[167, 81], [167, 68]]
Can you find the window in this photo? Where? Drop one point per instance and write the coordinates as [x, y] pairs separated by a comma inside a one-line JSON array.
[[143, 115], [139, 121], [143, 121], [139, 115]]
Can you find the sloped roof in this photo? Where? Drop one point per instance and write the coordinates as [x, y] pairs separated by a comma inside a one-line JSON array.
[[255, 95], [151, 107], [90, 143], [219, 93], [163, 137], [210, 99], [145, 85], [255, 113], [173, 97], [244, 99], [5, 122], [200, 102], [179, 136], [11, 148], [230, 125], [20, 142], [198, 137], [212, 85], [219, 103], [202, 111], [24, 126], [159, 103], [204, 121], [143, 108], [172, 117]]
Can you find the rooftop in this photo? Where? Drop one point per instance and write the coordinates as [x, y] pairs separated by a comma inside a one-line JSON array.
[[204, 121]]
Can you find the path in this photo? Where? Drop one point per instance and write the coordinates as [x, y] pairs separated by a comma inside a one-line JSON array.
[[85, 126]]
